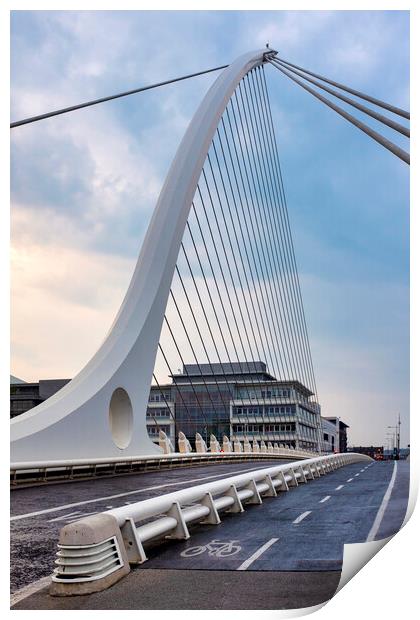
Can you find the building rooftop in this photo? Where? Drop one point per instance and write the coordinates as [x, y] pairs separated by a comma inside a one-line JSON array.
[[225, 368], [15, 380]]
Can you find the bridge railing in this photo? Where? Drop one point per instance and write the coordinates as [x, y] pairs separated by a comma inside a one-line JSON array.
[[39, 472], [97, 551]]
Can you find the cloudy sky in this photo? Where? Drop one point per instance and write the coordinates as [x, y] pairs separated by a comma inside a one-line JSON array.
[[84, 184]]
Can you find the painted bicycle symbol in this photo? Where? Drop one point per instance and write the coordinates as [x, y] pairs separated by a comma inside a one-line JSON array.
[[217, 548]]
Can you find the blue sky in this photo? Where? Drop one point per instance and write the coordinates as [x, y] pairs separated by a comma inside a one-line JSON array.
[[84, 184]]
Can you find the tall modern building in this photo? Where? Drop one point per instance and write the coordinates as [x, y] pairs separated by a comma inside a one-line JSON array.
[[240, 400]]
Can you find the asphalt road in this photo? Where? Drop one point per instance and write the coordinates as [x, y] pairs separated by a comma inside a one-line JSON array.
[[293, 539], [38, 513]]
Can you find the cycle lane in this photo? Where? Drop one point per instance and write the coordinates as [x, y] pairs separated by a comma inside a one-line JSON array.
[[326, 519], [38, 513]]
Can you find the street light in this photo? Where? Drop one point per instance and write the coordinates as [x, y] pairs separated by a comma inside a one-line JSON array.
[[397, 430]]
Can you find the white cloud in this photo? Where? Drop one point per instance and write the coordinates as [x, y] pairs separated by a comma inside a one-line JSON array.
[[63, 302], [73, 253]]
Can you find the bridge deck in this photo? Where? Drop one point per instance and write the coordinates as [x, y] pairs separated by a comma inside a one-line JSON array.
[[295, 538]]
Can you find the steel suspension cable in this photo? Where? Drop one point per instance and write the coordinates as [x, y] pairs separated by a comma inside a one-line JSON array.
[[206, 319], [390, 146], [186, 370], [218, 290], [251, 380], [233, 256], [193, 352], [229, 297], [270, 320], [262, 181], [269, 357], [175, 383], [378, 102], [288, 334], [259, 130], [211, 300], [279, 176], [166, 403], [405, 131], [86, 104], [233, 253], [244, 244], [285, 214]]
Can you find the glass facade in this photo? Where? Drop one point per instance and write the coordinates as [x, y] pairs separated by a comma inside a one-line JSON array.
[[234, 402]]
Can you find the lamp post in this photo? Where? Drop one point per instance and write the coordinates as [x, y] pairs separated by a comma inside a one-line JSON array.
[[397, 431]]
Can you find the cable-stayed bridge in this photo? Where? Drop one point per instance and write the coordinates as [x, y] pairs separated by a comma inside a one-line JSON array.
[[216, 284], [215, 304]]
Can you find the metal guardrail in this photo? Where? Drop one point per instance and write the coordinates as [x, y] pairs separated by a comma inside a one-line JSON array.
[[41, 472], [97, 551]]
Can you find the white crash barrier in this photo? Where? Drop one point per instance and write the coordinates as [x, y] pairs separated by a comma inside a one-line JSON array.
[[97, 551]]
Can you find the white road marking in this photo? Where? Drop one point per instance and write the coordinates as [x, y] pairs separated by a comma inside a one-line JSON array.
[[326, 498], [357, 474], [72, 516], [339, 487], [69, 515], [104, 499], [380, 514], [350, 479], [26, 591], [302, 516], [257, 554]]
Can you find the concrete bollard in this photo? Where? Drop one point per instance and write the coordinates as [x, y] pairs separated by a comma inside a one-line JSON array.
[[263, 447], [247, 445], [81, 548], [270, 448], [237, 446], [200, 444], [214, 444], [183, 443], [227, 445], [255, 447], [165, 443]]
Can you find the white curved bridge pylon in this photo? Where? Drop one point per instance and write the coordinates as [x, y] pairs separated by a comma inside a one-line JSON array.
[[102, 411]]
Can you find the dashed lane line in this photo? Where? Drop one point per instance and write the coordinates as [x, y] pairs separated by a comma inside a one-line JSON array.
[[108, 497], [350, 479], [325, 499], [339, 487], [302, 516], [257, 554]]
